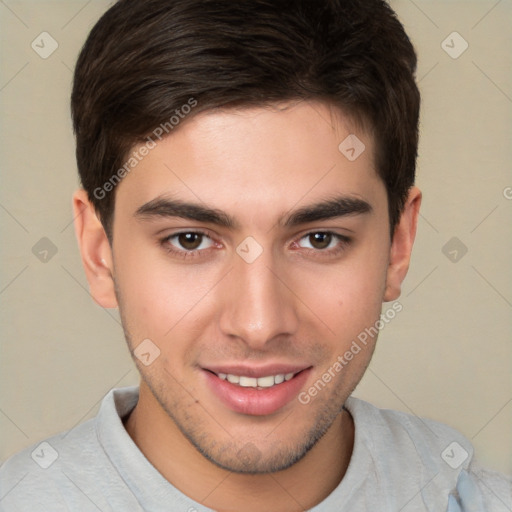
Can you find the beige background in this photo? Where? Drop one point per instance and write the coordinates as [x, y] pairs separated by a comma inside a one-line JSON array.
[[446, 356]]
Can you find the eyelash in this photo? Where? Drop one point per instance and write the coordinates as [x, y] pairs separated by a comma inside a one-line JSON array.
[[343, 240]]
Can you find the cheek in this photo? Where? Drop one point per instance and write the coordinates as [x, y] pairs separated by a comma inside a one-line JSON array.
[[157, 297], [347, 295]]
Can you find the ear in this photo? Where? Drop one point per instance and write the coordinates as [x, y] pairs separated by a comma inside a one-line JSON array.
[[401, 246], [95, 250]]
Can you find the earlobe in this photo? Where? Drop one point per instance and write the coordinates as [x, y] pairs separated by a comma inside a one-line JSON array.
[[401, 246], [95, 251]]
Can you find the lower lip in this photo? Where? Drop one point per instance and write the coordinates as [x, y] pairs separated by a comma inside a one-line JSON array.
[[256, 402]]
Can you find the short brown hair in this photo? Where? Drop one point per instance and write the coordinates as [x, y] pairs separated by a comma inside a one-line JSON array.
[[145, 59]]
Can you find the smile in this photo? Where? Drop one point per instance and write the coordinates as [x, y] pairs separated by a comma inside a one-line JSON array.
[[253, 382], [256, 391]]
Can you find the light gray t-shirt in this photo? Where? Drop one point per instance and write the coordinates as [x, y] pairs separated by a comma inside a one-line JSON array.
[[399, 463]]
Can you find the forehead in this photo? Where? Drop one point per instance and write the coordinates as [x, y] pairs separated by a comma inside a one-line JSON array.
[[257, 162]]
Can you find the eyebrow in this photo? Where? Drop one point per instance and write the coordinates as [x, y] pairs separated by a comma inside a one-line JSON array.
[[339, 206]]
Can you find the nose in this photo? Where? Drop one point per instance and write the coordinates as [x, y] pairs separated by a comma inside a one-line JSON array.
[[257, 304]]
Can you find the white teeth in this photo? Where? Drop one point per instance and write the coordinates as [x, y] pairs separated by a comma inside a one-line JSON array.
[[279, 378], [248, 382], [266, 382], [234, 379], [253, 382]]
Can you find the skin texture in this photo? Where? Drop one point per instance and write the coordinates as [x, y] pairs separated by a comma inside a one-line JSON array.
[[296, 303]]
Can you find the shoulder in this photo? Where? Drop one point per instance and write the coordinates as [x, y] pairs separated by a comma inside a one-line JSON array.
[[438, 458], [431, 441], [46, 468], [67, 469]]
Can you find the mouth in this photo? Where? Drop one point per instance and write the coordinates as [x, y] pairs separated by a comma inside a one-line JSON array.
[[253, 391], [268, 381]]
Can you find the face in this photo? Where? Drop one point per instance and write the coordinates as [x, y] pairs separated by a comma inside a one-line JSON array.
[[252, 253]]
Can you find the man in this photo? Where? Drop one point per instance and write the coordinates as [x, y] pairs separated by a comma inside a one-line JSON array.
[[248, 204]]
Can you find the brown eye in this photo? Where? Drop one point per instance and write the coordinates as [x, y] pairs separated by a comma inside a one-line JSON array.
[[188, 244], [324, 243], [190, 241], [320, 240]]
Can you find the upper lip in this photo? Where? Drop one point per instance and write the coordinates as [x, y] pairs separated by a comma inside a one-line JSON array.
[[256, 371]]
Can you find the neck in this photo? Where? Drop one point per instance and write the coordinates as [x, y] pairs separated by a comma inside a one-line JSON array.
[[300, 487]]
